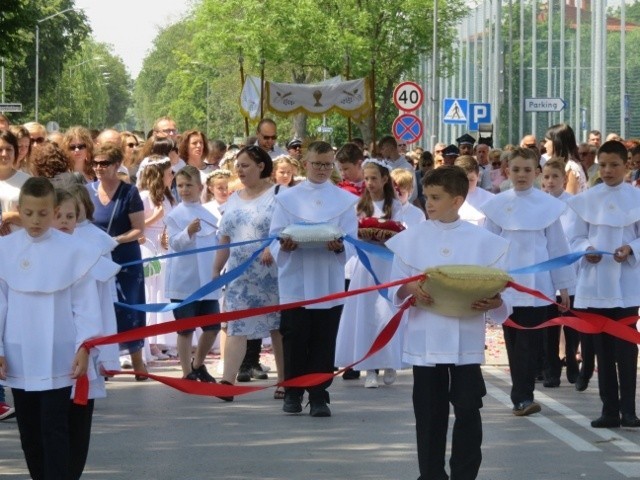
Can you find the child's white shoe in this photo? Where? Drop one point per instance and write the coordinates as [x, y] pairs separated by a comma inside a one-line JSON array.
[[389, 376], [371, 380]]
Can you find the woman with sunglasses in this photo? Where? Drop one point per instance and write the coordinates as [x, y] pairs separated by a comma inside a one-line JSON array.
[[78, 144], [119, 211], [130, 149]]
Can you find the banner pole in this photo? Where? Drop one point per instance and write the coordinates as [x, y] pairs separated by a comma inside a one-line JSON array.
[[246, 120], [348, 77], [373, 105], [261, 88]]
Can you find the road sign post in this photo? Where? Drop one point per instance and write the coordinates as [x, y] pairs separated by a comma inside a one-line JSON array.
[[455, 111], [544, 104], [479, 113], [408, 96], [11, 107], [407, 128]]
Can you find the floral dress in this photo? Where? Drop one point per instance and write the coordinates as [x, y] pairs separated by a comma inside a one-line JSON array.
[[258, 285]]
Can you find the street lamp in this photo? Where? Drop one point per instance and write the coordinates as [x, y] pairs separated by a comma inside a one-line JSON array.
[[38, 54], [211, 69]]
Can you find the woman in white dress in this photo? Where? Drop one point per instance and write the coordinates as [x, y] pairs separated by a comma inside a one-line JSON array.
[[247, 216]]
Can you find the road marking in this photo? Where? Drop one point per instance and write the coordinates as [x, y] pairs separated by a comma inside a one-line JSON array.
[[546, 424], [628, 469], [607, 434]]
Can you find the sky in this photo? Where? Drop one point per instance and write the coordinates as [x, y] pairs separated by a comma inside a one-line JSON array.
[[130, 26]]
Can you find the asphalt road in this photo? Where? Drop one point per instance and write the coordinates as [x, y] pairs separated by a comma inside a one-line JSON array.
[[149, 431]]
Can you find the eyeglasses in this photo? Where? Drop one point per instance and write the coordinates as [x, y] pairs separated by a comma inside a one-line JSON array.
[[169, 131], [322, 166], [38, 140], [530, 145], [132, 145], [105, 164], [269, 137], [295, 147], [79, 146]]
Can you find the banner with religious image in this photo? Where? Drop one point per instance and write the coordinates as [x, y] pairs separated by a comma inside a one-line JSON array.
[[349, 98]]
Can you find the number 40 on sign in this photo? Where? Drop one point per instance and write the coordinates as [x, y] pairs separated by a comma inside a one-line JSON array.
[[408, 96]]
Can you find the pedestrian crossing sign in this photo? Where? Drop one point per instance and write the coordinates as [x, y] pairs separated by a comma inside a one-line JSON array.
[[455, 111]]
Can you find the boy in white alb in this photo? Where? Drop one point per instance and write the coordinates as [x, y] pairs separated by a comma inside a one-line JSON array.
[[48, 296], [530, 219], [470, 210], [309, 333], [445, 351], [607, 218]]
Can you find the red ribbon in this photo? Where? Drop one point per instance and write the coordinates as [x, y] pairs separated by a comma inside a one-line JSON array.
[[584, 322], [214, 389]]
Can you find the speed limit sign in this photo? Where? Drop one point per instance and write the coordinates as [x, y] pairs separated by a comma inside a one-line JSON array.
[[408, 96]]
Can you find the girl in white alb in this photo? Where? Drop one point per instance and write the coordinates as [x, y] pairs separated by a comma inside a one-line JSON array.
[[364, 316]]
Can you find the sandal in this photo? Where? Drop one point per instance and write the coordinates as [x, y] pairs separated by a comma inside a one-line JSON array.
[[279, 393]]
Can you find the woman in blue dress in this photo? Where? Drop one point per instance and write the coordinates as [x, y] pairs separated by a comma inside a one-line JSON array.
[[119, 212]]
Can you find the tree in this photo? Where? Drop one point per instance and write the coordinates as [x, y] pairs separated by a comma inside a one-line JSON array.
[[59, 37], [302, 42]]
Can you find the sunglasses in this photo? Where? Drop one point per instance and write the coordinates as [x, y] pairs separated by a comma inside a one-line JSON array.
[[104, 164], [79, 146], [132, 145], [38, 140], [269, 137]]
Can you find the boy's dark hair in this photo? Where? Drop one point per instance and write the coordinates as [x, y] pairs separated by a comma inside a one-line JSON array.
[[38, 187], [452, 179], [467, 163], [634, 150], [388, 140], [614, 147], [319, 147], [520, 152], [426, 159], [349, 153]]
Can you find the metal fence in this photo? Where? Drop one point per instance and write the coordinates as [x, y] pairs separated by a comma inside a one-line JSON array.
[[580, 51]]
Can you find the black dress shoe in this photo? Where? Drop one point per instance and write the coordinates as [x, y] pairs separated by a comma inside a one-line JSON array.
[[319, 408], [244, 376], [351, 374], [629, 420], [606, 422], [292, 403], [551, 382], [582, 383]]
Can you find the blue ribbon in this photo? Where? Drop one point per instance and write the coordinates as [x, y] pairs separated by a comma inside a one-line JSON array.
[[196, 250], [206, 289], [558, 262]]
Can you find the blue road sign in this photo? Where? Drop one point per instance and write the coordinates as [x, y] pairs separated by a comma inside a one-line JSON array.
[[407, 127], [455, 111], [479, 113]]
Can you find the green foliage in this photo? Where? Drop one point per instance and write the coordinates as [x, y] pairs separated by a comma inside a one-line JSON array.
[[302, 41]]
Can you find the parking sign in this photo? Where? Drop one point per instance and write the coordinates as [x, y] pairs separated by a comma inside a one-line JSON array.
[[479, 113]]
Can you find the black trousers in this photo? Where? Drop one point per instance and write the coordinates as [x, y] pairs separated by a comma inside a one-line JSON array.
[[523, 350], [433, 389], [588, 354], [252, 355], [43, 421], [617, 366], [551, 344], [80, 417], [309, 344]]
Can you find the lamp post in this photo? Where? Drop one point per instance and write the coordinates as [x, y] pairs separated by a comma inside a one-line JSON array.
[[211, 69], [37, 100]]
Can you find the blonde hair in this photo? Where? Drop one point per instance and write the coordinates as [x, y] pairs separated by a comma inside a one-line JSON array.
[[402, 178], [220, 174]]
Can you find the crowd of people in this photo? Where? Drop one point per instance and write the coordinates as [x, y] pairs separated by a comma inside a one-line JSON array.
[[123, 196]]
